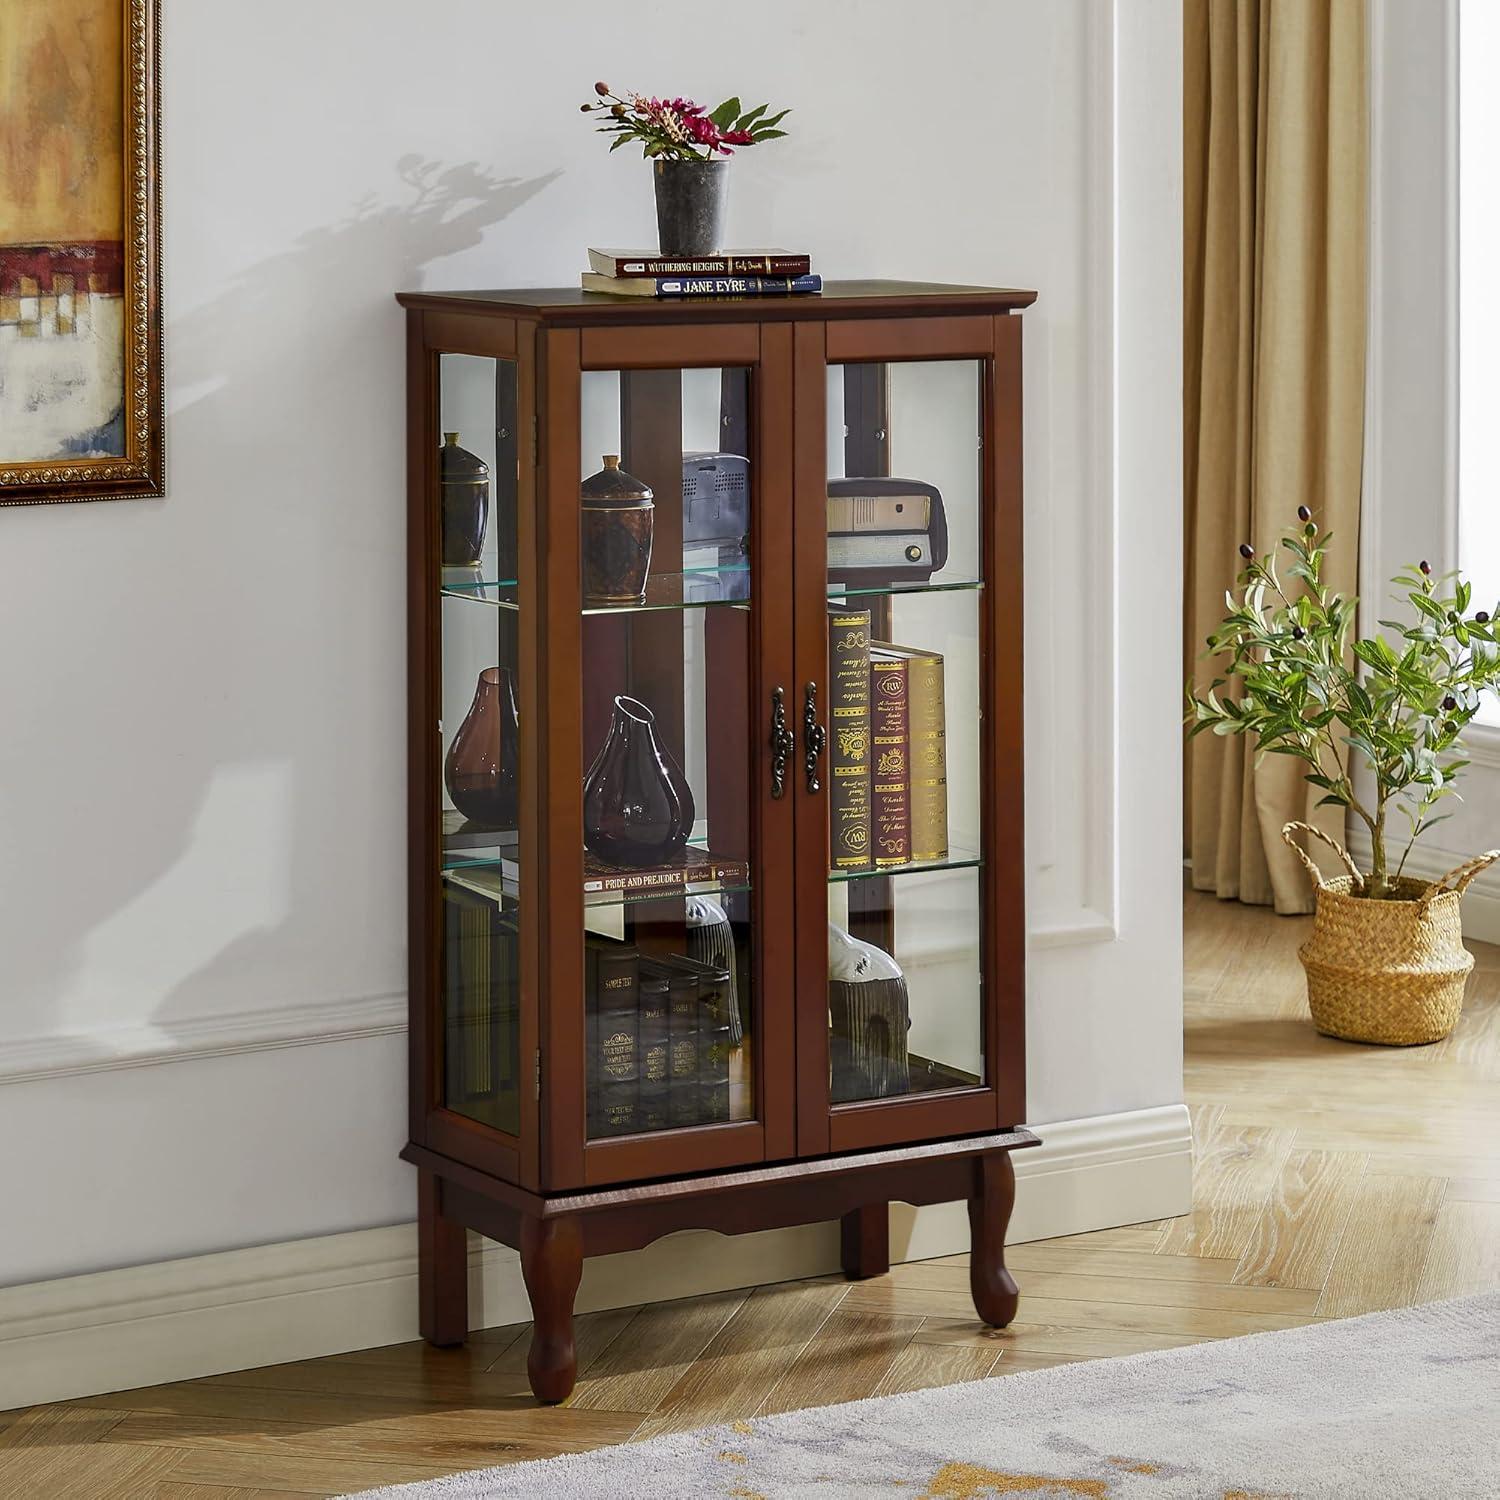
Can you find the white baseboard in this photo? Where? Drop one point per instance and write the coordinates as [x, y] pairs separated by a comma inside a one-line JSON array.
[[177, 1320]]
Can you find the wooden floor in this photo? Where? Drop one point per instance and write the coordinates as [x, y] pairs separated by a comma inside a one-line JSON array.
[[1331, 1180]]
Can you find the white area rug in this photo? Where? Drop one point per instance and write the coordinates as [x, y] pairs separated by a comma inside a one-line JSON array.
[[1391, 1405]]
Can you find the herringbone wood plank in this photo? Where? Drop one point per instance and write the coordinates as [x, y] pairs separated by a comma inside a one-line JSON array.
[[1331, 1179]]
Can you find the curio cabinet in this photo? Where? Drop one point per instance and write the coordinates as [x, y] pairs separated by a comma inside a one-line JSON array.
[[716, 855]]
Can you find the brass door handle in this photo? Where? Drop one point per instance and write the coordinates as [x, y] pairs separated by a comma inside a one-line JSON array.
[[783, 742], [814, 736]]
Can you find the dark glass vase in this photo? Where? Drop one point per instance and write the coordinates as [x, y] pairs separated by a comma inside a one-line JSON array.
[[637, 807], [480, 771], [464, 479]]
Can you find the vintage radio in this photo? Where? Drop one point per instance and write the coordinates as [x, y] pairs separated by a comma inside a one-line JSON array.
[[885, 531], [716, 524]]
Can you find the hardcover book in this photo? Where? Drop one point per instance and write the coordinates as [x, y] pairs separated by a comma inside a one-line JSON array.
[[690, 866], [655, 1052], [927, 751], [716, 1034], [727, 263], [890, 809], [849, 756], [701, 286], [682, 1033], [612, 976]]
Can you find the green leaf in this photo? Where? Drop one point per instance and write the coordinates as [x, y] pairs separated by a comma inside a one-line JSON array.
[[1376, 655], [725, 115], [768, 135], [745, 121], [775, 119]]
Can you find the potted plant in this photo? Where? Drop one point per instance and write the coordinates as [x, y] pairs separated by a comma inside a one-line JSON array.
[[1385, 961], [688, 147]]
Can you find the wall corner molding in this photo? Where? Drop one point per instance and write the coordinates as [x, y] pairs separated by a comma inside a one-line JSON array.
[[60, 1054]]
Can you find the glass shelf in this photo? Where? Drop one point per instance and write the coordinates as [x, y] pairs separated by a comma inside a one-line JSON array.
[[934, 586], [957, 859], [497, 592], [695, 588]]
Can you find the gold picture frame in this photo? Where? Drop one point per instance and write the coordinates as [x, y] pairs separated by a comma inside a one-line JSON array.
[[81, 401]]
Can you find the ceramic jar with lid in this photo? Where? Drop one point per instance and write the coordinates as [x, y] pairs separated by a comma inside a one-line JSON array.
[[618, 517], [464, 479]]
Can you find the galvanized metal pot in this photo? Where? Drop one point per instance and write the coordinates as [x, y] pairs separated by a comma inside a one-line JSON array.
[[690, 203]]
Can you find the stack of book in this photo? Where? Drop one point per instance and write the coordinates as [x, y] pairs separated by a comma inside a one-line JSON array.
[[660, 1037], [731, 273], [889, 757]]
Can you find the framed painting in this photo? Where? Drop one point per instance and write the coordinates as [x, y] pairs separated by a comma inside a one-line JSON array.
[[80, 295]]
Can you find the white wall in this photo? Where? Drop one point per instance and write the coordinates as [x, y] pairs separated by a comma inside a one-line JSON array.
[[201, 766], [1411, 504]]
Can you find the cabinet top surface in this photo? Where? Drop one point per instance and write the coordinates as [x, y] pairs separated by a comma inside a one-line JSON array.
[[838, 299]]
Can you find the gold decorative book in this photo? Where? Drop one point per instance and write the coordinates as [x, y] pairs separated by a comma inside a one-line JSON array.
[[849, 677], [890, 810], [927, 750]]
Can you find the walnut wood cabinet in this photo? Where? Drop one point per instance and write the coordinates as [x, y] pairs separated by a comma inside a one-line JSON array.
[[856, 1030]]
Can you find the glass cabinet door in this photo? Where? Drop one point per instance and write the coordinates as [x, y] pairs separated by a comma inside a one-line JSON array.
[[669, 962], [482, 791], [910, 773]]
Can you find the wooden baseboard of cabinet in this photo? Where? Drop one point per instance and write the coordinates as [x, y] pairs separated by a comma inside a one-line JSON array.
[[212, 1314]]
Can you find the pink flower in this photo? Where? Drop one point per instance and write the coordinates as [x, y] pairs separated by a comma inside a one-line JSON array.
[[739, 137], [702, 130]]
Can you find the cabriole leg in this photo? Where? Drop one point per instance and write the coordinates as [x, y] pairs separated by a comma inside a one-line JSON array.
[[993, 1287], [865, 1241], [551, 1263], [442, 1268]]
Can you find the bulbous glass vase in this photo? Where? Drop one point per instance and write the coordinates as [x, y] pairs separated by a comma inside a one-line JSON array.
[[480, 769], [637, 806]]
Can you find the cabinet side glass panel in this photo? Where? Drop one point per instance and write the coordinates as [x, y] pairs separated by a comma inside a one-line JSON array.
[[905, 581], [666, 595], [481, 794]]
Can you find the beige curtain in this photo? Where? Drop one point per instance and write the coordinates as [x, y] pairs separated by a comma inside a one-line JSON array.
[[1274, 164]]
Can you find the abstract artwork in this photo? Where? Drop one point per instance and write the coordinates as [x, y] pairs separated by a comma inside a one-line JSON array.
[[80, 337]]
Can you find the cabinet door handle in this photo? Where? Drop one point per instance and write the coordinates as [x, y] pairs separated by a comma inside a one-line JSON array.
[[814, 736], [783, 742]]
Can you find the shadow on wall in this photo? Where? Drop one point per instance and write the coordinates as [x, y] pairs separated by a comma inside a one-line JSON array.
[[245, 828]]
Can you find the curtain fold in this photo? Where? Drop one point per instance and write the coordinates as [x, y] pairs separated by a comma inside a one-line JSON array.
[[1274, 247]]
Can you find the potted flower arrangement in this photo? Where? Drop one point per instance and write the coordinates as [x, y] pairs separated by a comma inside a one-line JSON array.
[[688, 147], [1385, 961]]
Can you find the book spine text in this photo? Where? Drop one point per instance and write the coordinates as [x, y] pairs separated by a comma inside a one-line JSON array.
[[616, 1059], [655, 1054], [890, 817], [849, 692], [929, 758], [717, 265], [684, 1027], [736, 286]]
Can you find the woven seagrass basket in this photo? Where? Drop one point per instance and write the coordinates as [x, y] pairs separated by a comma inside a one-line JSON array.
[[1390, 971]]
